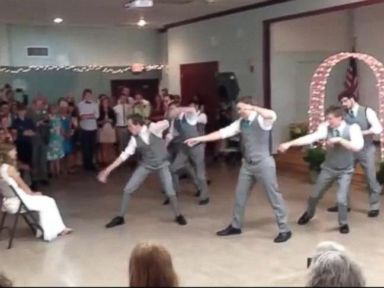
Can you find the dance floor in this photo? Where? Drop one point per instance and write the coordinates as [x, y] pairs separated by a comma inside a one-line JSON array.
[[95, 256]]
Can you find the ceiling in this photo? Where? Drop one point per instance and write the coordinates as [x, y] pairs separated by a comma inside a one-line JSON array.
[[110, 12]]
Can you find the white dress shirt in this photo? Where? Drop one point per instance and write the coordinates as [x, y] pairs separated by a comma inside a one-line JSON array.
[[202, 118], [376, 127], [234, 128], [357, 139], [156, 128], [122, 112], [86, 109]]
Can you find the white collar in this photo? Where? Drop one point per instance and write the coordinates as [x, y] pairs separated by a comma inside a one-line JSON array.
[[341, 126], [252, 116], [144, 131], [355, 108]]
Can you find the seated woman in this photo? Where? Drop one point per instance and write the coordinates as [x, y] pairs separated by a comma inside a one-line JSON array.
[[49, 215]]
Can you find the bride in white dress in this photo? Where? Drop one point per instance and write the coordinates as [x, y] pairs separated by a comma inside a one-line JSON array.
[[49, 215]]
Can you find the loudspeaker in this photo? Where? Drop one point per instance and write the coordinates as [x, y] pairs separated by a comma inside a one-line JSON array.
[[228, 86]]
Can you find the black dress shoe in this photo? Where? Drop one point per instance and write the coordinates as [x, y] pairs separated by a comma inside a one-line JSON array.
[[230, 230], [115, 222], [304, 219], [373, 213], [336, 209], [283, 237], [166, 201], [181, 220], [344, 229], [204, 202], [198, 193]]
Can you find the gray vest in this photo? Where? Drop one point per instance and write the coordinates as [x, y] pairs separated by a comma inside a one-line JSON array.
[[185, 130], [255, 141], [361, 120], [154, 155], [339, 158]]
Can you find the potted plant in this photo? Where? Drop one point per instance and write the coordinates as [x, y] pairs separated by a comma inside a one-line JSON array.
[[315, 156], [296, 130]]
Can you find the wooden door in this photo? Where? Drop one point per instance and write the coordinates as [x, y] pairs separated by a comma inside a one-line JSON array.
[[199, 80]]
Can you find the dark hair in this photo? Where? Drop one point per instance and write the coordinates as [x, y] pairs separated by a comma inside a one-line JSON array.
[[346, 94], [246, 100], [137, 119], [85, 91], [195, 102], [337, 111], [2, 103], [7, 86], [18, 90], [4, 281], [165, 90]]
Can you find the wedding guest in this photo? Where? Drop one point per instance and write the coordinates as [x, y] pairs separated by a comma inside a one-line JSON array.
[[56, 141], [141, 106], [151, 265], [107, 133], [49, 216], [89, 113]]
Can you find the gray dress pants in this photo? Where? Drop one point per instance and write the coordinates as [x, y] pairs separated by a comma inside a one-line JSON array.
[[265, 173], [324, 182]]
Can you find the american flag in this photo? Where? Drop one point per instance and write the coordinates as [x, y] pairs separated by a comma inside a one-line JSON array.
[[351, 83]]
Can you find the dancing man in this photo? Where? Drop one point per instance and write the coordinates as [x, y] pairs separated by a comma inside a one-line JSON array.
[[370, 125], [342, 141], [254, 126], [186, 123], [148, 141]]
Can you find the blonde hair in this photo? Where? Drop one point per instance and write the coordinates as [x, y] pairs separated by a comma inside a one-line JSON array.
[[151, 265], [5, 148]]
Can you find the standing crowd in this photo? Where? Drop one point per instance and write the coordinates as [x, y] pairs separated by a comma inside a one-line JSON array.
[[50, 137]]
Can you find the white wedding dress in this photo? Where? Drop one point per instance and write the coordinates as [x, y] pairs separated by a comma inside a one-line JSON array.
[[49, 215]]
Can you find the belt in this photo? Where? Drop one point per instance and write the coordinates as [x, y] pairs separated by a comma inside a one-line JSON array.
[[251, 162]]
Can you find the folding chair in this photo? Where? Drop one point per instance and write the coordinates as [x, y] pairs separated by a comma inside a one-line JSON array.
[[9, 192]]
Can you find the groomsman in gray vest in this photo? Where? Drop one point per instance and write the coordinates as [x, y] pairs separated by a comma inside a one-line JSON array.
[[186, 125], [254, 126], [148, 142], [342, 141], [370, 125]]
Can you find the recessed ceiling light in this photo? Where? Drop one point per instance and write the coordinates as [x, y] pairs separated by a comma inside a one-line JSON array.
[[58, 20], [141, 22]]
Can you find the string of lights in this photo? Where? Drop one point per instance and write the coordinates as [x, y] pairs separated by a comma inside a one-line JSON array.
[[319, 83], [135, 68]]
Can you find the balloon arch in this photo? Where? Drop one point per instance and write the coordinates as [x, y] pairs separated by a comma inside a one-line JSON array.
[[319, 82]]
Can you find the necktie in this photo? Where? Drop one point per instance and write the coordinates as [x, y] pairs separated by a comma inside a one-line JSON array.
[[336, 133], [350, 112]]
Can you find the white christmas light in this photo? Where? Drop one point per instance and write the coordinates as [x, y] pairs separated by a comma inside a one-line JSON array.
[[80, 69]]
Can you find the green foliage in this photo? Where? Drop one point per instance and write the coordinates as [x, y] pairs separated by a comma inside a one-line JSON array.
[[298, 130], [315, 157]]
